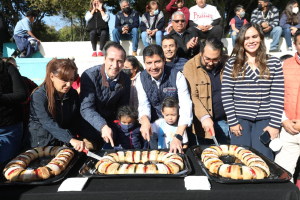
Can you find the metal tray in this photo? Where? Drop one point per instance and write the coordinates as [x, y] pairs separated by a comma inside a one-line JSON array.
[[38, 163], [277, 173], [88, 168]]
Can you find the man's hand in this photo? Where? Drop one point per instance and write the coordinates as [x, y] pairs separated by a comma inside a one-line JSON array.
[[296, 124], [207, 125], [293, 30], [39, 42], [146, 128], [236, 130], [274, 132], [288, 126], [175, 145], [77, 144], [207, 27], [201, 27], [266, 30], [264, 25], [192, 43], [107, 135], [149, 32]]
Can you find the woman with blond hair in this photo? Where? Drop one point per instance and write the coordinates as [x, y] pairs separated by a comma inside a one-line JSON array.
[[253, 91], [54, 108]]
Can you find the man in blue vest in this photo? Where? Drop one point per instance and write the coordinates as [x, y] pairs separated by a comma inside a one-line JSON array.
[[155, 84]]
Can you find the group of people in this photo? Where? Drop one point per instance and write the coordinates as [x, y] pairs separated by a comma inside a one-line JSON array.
[[188, 92]]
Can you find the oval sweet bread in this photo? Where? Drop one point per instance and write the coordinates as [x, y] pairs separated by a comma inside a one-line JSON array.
[[16, 170], [135, 163], [256, 167]]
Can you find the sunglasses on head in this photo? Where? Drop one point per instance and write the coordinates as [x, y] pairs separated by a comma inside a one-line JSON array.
[[176, 21]]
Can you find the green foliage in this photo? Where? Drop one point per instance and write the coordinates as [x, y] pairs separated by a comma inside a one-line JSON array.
[[45, 33], [65, 34]]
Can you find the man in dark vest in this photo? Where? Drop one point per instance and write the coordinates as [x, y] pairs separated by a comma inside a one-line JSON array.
[[127, 26], [155, 84]]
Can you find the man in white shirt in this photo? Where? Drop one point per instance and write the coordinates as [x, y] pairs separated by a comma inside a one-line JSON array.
[[205, 20], [155, 84]]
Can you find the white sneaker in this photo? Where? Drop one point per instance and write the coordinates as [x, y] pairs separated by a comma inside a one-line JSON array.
[[290, 49]]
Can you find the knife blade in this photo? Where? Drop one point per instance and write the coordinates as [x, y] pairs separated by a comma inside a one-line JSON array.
[[90, 154], [214, 138]]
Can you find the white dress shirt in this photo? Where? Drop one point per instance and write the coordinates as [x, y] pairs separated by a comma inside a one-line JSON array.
[[185, 103]]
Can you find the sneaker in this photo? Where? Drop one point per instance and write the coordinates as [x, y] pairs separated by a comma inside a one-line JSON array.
[[290, 49], [275, 50], [94, 54], [134, 53], [100, 53], [15, 53]]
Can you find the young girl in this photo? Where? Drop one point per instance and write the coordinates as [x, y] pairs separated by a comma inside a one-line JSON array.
[[126, 130], [165, 128]]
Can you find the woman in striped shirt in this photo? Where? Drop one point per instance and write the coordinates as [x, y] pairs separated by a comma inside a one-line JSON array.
[[253, 90]]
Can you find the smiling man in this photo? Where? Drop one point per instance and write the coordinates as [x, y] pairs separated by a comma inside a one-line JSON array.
[[155, 84], [104, 88], [204, 76], [169, 46]]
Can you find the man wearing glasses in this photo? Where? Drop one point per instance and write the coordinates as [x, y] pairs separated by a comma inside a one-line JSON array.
[[188, 44], [204, 77]]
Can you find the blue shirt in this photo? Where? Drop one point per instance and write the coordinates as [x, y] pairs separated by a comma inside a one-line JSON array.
[[22, 26]]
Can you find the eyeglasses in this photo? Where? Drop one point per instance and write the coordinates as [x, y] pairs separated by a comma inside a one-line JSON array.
[[176, 21], [208, 60]]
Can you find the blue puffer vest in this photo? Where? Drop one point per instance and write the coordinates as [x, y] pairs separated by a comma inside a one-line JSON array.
[[156, 95]]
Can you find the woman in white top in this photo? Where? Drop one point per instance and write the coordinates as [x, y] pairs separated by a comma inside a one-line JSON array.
[[97, 19]]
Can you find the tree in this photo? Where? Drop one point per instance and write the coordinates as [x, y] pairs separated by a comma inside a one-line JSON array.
[[45, 33]]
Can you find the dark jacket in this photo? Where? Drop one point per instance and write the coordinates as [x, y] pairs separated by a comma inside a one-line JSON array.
[[43, 129], [132, 21], [98, 102], [97, 23], [283, 22], [182, 41], [168, 88], [12, 93], [160, 25], [272, 16], [177, 63], [23, 44]]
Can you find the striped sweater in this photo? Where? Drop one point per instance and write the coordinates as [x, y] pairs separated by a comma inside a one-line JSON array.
[[272, 17], [254, 98]]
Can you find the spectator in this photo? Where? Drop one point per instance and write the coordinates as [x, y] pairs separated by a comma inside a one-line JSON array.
[[267, 16], [76, 84], [253, 90], [126, 26], [30, 85], [284, 57], [290, 22], [1, 34], [180, 7], [170, 48], [237, 22], [27, 43], [164, 129], [155, 84], [188, 43], [54, 108], [204, 75], [288, 155], [104, 88], [97, 19], [132, 69], [152, 24], [126, 130], [205, 20], [12, 93]]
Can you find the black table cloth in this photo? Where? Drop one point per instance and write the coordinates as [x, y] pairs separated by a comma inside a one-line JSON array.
[[152, 188]]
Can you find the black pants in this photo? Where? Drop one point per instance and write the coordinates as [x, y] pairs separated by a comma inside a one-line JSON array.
[[94, 37], [216, 31]]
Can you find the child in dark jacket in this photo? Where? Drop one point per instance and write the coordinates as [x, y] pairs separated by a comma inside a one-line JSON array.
[[126, 130]]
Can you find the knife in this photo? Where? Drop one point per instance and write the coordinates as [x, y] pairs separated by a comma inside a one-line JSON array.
[[214, 138], [90, 154]]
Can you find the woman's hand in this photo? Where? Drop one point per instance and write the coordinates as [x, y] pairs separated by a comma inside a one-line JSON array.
[[149, 32], [77, 144], [293, 30], [274, 132], [236, 130], [100, 6], [153, 32]]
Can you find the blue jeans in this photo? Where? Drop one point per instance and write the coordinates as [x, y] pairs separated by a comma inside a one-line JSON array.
[[275, 33], [158, 38], [288, 36], [233, 37], [134, 35], [250, 136], [222, 132], [10, 141]]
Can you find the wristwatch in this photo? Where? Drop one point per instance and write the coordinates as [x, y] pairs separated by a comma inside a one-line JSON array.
[[179, 137]]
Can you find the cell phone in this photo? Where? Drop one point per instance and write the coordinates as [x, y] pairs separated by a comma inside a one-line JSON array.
[[265, 137]]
